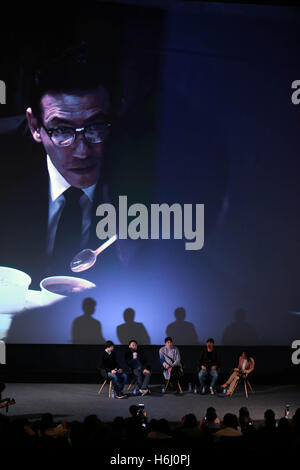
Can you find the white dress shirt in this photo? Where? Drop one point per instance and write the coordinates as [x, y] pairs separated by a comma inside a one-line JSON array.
[[57, 186]]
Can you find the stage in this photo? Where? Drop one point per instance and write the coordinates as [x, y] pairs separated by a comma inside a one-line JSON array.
[[76, 401]]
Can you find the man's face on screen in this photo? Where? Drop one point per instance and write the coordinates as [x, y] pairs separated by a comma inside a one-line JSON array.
[[79, 163]]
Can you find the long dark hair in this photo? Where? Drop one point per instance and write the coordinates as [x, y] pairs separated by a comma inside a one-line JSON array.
[[247, 354]]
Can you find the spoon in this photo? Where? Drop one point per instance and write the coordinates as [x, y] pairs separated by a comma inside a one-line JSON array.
[[85, 259]]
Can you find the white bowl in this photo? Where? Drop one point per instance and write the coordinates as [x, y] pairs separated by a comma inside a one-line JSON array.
[[76, 284], [13, 289]]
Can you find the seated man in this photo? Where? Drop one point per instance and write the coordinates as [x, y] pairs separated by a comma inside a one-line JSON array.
[[245, 366], [208, 365], [112, 369], [136, 361], [170, 360]]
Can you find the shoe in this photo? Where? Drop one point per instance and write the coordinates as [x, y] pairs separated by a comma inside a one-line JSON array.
[[144, 391], [212, 392], [119, 395], [203, 390]]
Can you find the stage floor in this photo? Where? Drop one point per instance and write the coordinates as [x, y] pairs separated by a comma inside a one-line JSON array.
[[76, 401]]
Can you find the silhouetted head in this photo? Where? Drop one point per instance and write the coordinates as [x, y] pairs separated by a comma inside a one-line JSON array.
[[168, 342], [230, 421], [133, 410], [91, 424], [211, 414], [70, 91], [244, 412], [89, 305], [240, 315], [270, 420], [162, 426], [180, 314], [129, 315], [244, 418], [246, 355], [283, 426], [296, 419], [190, 421]]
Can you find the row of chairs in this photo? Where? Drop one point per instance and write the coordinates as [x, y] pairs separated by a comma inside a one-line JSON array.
[[243, 380]]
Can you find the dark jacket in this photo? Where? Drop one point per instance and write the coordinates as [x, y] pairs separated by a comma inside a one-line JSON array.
[[209, 359], [140, 362], [109, 361]]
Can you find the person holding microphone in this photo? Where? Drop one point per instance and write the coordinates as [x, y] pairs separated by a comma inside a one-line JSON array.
[[138, 366]]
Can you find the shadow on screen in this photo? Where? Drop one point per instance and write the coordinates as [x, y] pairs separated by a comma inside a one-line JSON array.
[[86, 329], [240, 332], [182, 331], [132, 330]]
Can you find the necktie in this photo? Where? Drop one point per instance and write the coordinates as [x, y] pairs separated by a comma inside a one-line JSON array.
[[68, 234]]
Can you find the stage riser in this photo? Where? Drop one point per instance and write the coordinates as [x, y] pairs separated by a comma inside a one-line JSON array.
[[79, 363]]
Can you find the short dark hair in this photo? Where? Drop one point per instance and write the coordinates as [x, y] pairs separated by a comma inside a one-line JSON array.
[[230, 421], [132, 341], [77, 68], [211, 414], [88, 302], [190, 421], [133, 410], [168, 338], [244, 412], [210, 340], [108, 344]]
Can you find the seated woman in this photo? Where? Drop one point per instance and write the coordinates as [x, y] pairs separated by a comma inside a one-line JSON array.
[[245, 366]]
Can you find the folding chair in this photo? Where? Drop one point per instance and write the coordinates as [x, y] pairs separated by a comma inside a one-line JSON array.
[[178, 385], [105, 377], [133, 382], [245, 380]]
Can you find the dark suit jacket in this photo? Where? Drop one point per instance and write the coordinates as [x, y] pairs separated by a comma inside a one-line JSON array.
[[209, 359], [132, 363], [24, 196], [109, 362]]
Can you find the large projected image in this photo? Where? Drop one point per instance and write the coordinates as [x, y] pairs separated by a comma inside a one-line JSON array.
[[150, 179]]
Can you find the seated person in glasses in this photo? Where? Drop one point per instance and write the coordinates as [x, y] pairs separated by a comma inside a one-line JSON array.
[[112, 370], [136, 361], [245, 367], [170, 360]]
